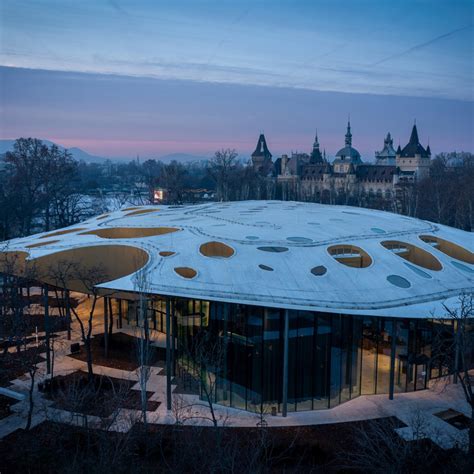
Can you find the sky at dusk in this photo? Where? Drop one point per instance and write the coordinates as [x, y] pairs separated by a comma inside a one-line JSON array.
[[121, 78]]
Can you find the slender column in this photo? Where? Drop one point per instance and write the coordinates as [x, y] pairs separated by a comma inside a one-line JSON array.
[[284, 410], [106, 328], [68, 315], [46, 328], [226, 341], [120, 314], [168, 355], [173, 335], [456, 351], [392, 359]]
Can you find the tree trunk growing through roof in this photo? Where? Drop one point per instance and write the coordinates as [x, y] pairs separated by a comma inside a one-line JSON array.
[[457, 357], [66, 274], [144, 351]]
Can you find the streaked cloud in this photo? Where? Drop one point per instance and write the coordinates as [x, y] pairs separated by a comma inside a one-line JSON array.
[[345, 46]]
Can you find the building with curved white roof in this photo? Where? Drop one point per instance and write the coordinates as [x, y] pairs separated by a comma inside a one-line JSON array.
[[315, 304]]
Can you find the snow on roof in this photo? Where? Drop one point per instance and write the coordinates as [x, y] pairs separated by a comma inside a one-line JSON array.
[[283, 254]]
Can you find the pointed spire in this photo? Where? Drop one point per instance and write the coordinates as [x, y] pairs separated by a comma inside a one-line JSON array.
[[348, 133], [316, 141], [414, 135], [262, 149], [399, 150]]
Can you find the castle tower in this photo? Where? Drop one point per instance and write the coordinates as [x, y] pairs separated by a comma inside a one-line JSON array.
[[413, 158], [316, 156], [261, 157], [388, 154]]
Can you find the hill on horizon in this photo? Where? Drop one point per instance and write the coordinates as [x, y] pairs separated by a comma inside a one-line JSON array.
[[77, 153], [81, 155]]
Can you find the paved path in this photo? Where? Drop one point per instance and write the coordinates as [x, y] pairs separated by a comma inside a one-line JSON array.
[[408, 407]]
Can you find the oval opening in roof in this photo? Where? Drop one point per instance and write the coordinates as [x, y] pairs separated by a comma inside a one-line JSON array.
[[273, 249], [399, 281], [130, 232], [449, 248], [216, 250], [266, 268], [166, 253], [62, 232], [140, 211], [320, 270], [301, 240], [350, 255], [412, 254], [186, 272], [42, 244]]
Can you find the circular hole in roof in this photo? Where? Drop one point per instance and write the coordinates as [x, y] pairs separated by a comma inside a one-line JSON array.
[[273, 249], [412, 254], [314, 223], [350, 255], [186, 272], [42, 244], [80, 269], [351, 212], [417, 270], [449, 248], [336, 219], [320, 270], [399, 281], [130, 232], [216, 250], [166, 253], [462, 267], [62, 232], [252, 237], [377, 230], [141, 211], [266, 268], [299, 239]]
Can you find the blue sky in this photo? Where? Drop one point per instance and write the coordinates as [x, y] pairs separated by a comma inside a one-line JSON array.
[[385, 62]]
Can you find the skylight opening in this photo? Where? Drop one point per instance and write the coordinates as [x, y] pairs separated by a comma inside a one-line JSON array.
[[186, 272], [80, 269], [141, 211], [131, 232], [320, 270], [167, 253], [449, 248], [413, 254], [42, 244], [273, 249], [216, 250], [350, 255], [62, 232]]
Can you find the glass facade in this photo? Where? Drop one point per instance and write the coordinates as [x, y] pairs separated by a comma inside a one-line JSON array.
[[332, 358]]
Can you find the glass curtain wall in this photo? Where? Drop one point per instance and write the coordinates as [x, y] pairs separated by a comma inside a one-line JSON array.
[[332, 358]]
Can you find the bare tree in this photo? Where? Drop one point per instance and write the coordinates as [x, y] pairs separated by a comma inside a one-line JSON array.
[[66, 274], [459, 356], [221, 168], [206, 354], [143, 340]]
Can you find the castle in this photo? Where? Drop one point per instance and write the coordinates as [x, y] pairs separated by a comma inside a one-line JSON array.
[[347, 180]]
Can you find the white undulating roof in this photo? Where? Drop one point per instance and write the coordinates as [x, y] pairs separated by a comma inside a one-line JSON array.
[[388, 286]]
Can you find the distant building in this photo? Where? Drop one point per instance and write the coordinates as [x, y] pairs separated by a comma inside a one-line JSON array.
[[313, 177], [261, 157], [388, 154]]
